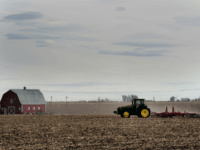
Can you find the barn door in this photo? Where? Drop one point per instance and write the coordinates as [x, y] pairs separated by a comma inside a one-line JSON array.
[[5, 111], [11, 110]]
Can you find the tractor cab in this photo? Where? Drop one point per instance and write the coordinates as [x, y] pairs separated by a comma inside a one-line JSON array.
[[137, 102]]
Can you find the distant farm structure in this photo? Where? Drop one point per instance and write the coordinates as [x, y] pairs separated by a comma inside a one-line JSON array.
[[128, 98], [20, 101]]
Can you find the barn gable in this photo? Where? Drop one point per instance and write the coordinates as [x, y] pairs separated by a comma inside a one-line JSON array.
[[32, 96]]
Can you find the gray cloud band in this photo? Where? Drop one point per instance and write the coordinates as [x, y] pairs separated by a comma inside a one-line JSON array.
[[16, 36], [137, 54], [184, 21], [147, 45], [120, 9], [79, 84], [23, 16]]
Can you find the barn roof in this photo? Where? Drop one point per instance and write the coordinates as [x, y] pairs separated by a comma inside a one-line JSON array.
[[32, 96]]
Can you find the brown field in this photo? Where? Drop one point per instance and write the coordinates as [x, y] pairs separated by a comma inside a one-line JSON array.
[[74, 108], [100, 129], [98, 132]]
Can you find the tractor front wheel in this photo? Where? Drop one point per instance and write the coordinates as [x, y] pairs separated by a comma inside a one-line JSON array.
[[125, 114]]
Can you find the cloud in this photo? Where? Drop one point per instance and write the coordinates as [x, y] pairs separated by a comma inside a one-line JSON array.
[[184, 21], [15, 6], [180, 83], [174, 27], [3, 79], [120, 9], [45, 43], [81, 84], [54, 27], [108, 0], [16, 36], [51, 26], [138, 52], [80, 38], [50, 29], [143, 44], [32, 29], [27, 23], [145, 36], [23, 16], [42, 45], [89, 47]]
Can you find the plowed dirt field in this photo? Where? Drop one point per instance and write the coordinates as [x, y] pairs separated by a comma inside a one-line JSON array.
[[98, 132], [107, 108]]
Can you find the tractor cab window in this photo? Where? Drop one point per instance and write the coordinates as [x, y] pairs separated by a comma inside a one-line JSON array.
[[138, 102]]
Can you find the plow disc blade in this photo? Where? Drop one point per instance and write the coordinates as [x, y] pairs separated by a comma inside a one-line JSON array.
[[173, 114]]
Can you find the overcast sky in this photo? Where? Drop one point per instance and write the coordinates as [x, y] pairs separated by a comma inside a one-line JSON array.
[[101, 48]]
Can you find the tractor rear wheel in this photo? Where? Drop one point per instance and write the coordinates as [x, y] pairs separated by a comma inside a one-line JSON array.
[[125, 114], [144, 113]]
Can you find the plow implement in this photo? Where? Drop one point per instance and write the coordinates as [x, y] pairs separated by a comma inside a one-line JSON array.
[[173, 113]]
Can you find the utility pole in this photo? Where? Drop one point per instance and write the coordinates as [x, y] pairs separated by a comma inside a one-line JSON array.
[[99, 104], [66, 101], [51, 101]]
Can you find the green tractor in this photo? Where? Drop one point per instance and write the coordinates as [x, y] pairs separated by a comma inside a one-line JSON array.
[[137, 108]]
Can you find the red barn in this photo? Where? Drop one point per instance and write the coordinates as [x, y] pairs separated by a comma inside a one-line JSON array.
[[19, 101]]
